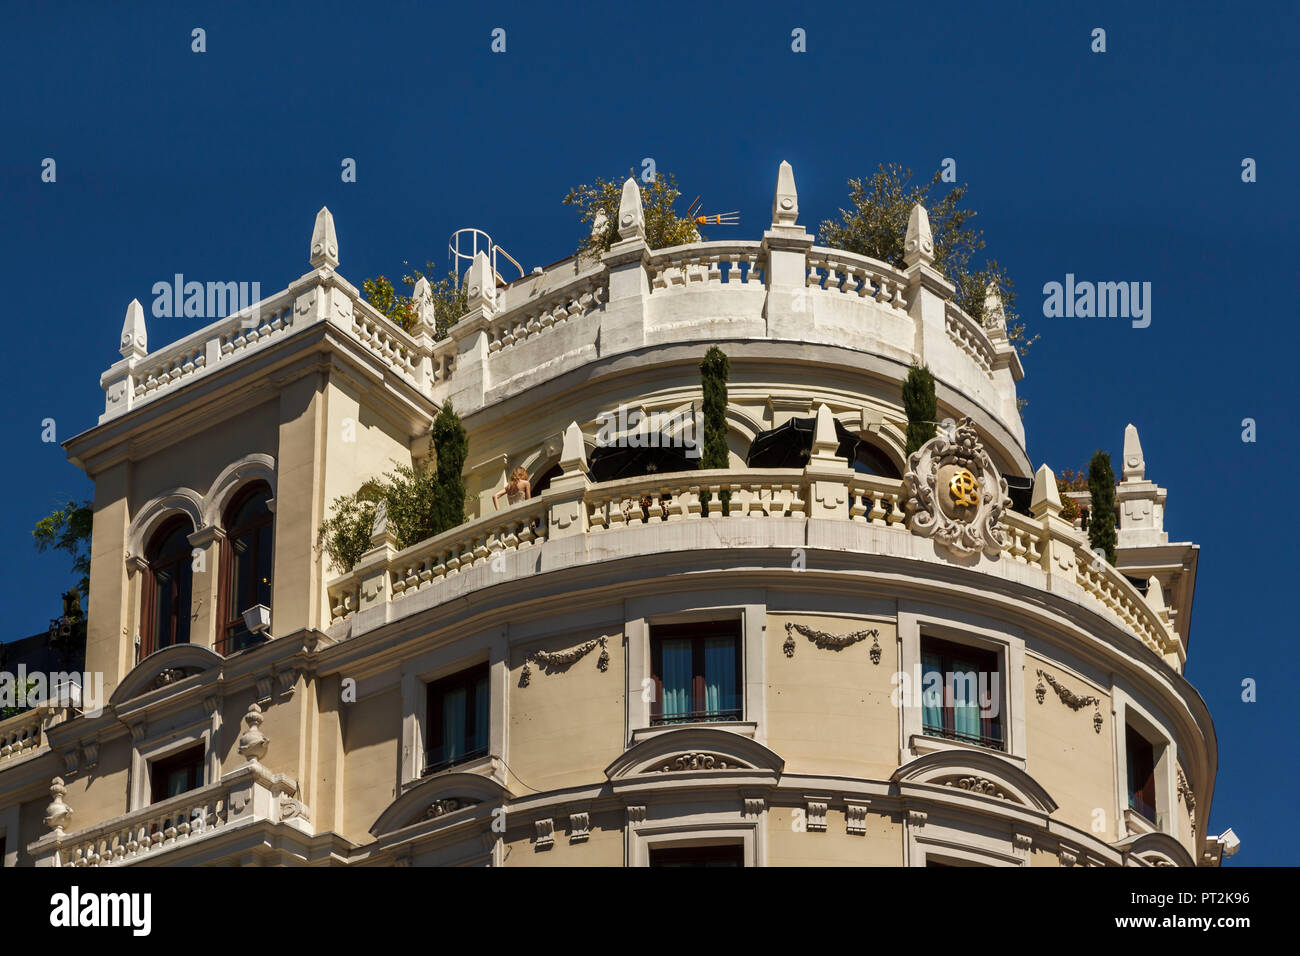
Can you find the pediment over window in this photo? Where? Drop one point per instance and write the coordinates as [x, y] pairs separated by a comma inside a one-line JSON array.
[[694, 750], [979, 773], [163, 667], [1154, 849], [439, 796]]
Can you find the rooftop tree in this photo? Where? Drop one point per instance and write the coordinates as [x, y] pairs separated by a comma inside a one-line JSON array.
[[598, 204], [877, 223]]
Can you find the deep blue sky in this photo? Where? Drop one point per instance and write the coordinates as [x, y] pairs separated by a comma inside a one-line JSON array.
[[1117, 166]]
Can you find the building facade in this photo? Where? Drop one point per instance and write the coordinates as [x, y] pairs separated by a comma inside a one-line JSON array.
[[866, 659]]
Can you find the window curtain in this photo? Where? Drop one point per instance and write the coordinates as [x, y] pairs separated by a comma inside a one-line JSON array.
[[454, 712], [720, 691], [931, 693], [676, 677], [966, 699]]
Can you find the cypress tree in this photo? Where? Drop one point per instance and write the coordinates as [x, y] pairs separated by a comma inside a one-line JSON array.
[[714, 371], [1101, 523], [922, 407], [451, 445]]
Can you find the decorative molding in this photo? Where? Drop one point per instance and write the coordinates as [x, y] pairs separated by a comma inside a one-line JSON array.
[[71, 761], [982, 785], [170, 675], [545, 832], [579, 827], [564, 659], [636, 814], [855, 818], [1023, 841], [90, 753], [917, 818], [752, 806], [1068, 857], [817, 815], [291, 808], [955, 493], [1186, 795], [265, 686], [446, 805], [1068, 697], [701, 761], [829, 641]]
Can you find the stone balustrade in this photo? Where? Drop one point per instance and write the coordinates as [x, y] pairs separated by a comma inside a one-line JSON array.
[[23, 733], [554, 321], [248, 795], [836, 493]]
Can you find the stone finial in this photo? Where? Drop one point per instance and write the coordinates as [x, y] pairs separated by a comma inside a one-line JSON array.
[[785, 204], [573, 453], [1155, 595], [995, 313], [481, 282], [631, 216], [918, 244], [825, 443], [253, 743], [422, 296], [135, 341], [324, 243], [57, 813], [1135, 465], [1046, 499]]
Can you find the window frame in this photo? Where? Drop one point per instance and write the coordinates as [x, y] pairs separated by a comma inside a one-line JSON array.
[[195, 759], [469, 678], [149, 587], [229, 623], [703, 630], [947, 652], [915, 620]]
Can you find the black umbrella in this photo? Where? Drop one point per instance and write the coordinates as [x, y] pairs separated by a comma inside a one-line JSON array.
[[790, 445], [611, 462]]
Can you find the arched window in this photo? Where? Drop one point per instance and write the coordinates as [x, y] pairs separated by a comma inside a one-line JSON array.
[[165, 615], [245, 565], [870, 460], [544, 480]]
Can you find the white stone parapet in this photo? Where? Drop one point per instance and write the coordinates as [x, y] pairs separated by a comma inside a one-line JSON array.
[[787, 498], [243, 797], [543, 325]]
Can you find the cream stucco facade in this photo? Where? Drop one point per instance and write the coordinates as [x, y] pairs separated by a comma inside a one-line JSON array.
[[312, 746]]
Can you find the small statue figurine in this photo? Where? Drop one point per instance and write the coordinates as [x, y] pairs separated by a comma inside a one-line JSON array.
[[517, 489]]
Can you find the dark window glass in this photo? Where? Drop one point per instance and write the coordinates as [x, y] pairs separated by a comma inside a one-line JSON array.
[[870, 460], [729, 854], [457, 719], [176, 774], [167, 588], [246, 564], [696, 670], [1141, 760], [953, 679]]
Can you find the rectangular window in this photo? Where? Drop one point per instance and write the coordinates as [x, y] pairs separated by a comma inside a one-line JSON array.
[[457, 719], [729, 854], [696, 669], [176, 774], [1141, 760], [961, 696]]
